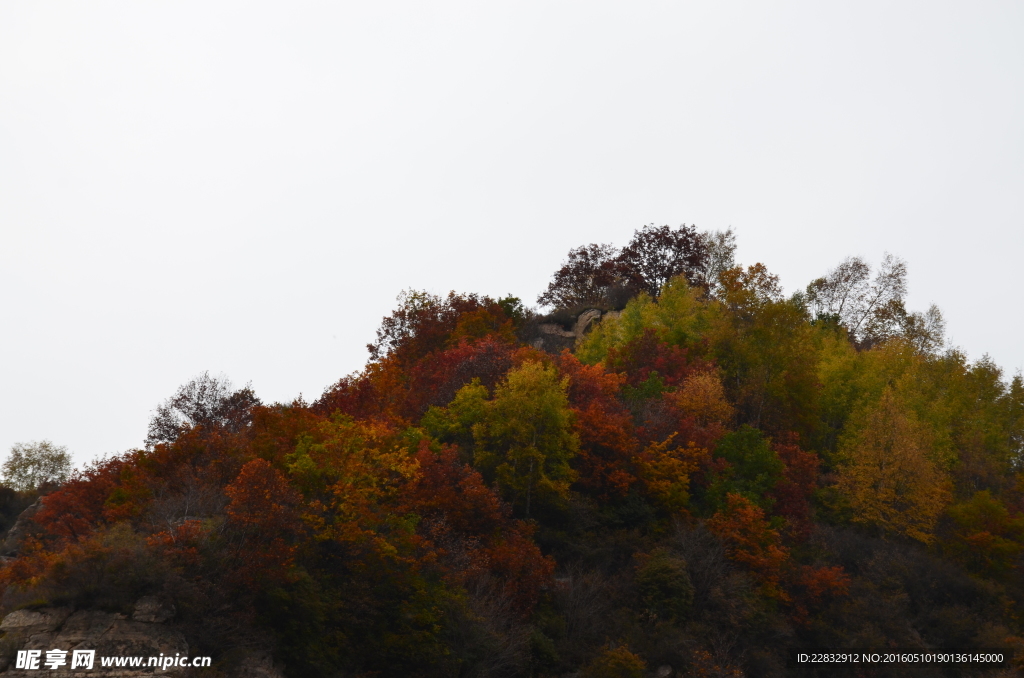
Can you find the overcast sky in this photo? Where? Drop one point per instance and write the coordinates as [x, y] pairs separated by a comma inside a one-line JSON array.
[[245, 187]]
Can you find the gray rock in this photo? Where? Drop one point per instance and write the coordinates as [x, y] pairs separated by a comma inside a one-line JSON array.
[[553, 338], [583, 323], [28, 622], [146, 634], [150, 609], [556, 330], [108, 633]]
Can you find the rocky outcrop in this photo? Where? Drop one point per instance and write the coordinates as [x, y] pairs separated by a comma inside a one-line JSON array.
[[107, 633], [148, 632], [151, 609], [553, 337]]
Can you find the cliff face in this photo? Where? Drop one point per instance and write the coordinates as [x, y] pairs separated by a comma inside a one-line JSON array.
[[145, 634], [110, 634]]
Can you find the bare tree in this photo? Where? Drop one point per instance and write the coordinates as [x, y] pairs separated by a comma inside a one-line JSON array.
[[848, 294], [926, 330], [719, 256], [873, 309]]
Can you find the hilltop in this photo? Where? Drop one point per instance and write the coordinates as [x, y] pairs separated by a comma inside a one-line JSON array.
[[669, 468]]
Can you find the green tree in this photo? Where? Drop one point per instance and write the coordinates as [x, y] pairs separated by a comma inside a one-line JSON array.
[[767, 352], [679, 316], [754, 469], [986, 537], [664, 585], [525, 439], [454, 424], [31, 465]]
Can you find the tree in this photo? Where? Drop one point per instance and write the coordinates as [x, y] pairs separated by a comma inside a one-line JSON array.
[[847, 293], [436, 379], [842, 293], [649, 354], [925, 330], [702, 397], [986, 537], [425, 322], [665, 470], [873, 310], [765, 349], [525, 440], [720, 250], [664, 585], [744, 291], [680, 316], [263, 520], [793, 491], [604, 427], [753, 470], [207, 402], [77, 508], [604, 276], [702, 412], [616, 662], [656, 254], [454, 424], [587, 278], [1015, 423], [31, 465], [889, 476], [751, 540], [473, 531]]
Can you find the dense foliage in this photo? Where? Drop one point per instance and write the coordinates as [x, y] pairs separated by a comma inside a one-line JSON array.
[[716, 474]]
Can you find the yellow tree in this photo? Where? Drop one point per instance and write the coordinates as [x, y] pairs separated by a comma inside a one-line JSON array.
[[525, 440], [665, 469], [890, 474]]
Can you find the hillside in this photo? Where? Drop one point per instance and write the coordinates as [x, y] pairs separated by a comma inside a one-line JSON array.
[[673, 470]]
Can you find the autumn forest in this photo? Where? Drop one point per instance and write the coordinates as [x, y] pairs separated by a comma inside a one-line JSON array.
[[666, 467]]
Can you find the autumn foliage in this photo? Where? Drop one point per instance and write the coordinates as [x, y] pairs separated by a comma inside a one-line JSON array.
[[713, 468]]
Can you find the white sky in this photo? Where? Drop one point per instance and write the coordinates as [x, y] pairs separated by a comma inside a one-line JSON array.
[[245, 187]]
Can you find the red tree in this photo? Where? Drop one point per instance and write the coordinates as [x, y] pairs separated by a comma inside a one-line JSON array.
[[794, 490]]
